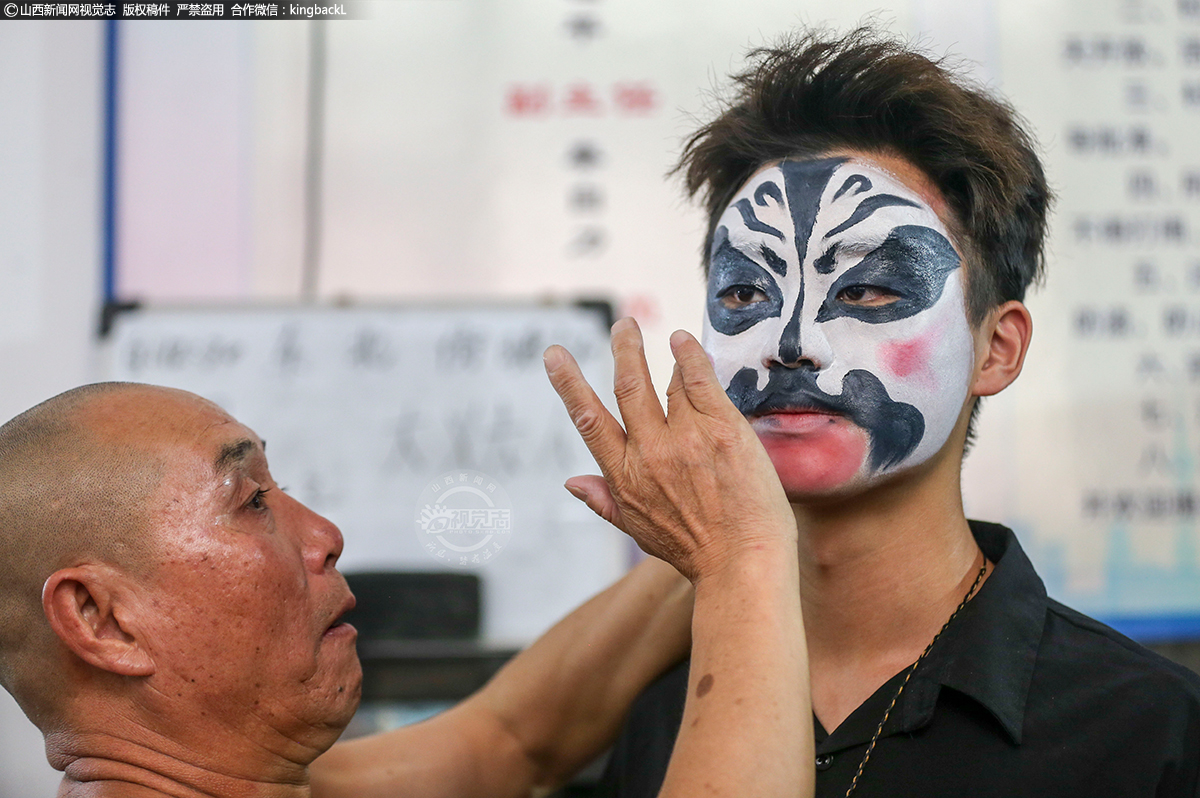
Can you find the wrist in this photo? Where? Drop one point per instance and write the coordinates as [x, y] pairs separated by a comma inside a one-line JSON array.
[[756, 563]]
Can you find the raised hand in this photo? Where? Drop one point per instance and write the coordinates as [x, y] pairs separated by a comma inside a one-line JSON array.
[[695, 487], [692, 486]]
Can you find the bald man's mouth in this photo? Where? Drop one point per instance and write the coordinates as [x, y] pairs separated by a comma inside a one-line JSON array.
[[339, 627]]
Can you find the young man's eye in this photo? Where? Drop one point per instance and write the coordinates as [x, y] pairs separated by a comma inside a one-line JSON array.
[[739, 296], [866, 296]]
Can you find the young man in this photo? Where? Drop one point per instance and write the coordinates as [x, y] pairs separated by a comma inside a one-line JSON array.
[[171, 620], [873, 225]]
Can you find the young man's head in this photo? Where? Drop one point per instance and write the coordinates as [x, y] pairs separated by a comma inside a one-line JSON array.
[[870, 215]]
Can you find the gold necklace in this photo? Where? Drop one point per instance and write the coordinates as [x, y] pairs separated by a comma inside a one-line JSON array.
[[908, 675]]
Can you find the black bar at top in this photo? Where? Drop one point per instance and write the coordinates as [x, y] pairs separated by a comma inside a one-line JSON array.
[[346, 9]]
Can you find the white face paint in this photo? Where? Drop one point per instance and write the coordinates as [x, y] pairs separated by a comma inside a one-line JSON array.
[[836, 321]]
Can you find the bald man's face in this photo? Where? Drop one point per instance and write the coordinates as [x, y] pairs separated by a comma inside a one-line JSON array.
[[246, 598]]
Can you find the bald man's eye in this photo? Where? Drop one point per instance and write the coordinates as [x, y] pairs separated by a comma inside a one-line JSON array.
[[258, 500], [867, 296], [739, 296]]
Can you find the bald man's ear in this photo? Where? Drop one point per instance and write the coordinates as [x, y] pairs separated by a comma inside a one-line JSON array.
[[1001, 345], [84, 609]]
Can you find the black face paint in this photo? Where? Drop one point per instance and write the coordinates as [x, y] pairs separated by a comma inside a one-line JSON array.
[[777, 264], [751, 221], [767, 189], [828, 261], [868, 207], [857, 183], [805, 181], [912, 263], [894, 428], [731, 269]]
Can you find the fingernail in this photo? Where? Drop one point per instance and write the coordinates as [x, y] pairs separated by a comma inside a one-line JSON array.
[[576, 492], [552, 358], [624, 323], [678, 339]]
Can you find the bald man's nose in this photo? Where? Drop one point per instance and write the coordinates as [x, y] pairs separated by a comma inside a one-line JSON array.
[[322, 540]]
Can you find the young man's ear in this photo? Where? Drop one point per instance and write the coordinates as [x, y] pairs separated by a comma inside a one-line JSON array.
[[1001, 348], [83, 605]]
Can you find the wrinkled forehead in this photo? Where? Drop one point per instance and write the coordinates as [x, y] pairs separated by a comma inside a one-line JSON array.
[[808, 206], [187, 433]]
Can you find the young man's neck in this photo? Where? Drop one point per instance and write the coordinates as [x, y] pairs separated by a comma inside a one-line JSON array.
[[880, 574]]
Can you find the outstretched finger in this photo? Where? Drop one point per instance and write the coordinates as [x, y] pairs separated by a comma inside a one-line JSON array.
[[678, 403], [698, 378], [600, 431], [640, 409]]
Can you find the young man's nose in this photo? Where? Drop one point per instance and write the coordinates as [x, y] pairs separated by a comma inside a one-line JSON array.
[[803, 344]]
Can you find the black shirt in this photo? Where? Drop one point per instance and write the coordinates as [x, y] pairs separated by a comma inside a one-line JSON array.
[[1021, 696]]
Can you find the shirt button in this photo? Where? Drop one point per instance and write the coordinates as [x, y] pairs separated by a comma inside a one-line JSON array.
[[824, 761]]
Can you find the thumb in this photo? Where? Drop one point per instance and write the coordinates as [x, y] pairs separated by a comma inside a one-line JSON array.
[[594, 492]]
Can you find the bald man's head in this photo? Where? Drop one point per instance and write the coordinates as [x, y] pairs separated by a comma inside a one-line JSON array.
[[75, 479]]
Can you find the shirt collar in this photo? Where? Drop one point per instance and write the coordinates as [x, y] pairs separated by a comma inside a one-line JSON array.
[[989, 652]]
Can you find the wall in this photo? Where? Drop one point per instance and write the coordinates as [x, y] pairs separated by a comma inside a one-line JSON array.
[[481, 149], [50, 159]]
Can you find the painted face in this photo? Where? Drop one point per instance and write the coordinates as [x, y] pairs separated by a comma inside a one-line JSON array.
[[836, 322]]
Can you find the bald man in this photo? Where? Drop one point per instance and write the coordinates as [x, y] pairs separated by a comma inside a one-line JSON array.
[[170, 620]]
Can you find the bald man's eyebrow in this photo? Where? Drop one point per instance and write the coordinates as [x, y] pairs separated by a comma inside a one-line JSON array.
[[232, 454]]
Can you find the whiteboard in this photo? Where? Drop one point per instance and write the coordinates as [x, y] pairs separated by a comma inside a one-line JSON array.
[[363, 408]]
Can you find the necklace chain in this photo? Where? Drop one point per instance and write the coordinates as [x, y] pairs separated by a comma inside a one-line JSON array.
[[908, 675]]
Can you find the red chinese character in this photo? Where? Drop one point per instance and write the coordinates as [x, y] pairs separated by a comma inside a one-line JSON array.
[[580, 99], [528, 100], [635, 98]]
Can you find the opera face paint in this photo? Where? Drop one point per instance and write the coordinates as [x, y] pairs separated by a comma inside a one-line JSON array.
[[836, 322]]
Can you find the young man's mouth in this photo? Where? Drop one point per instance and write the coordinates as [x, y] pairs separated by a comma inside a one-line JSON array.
[[795, 421]]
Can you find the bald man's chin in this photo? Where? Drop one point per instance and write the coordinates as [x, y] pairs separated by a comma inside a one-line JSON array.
[[342, 692], [343, 701]]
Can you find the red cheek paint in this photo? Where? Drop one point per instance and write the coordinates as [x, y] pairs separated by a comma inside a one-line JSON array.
[[813, 454], [902, 358]]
